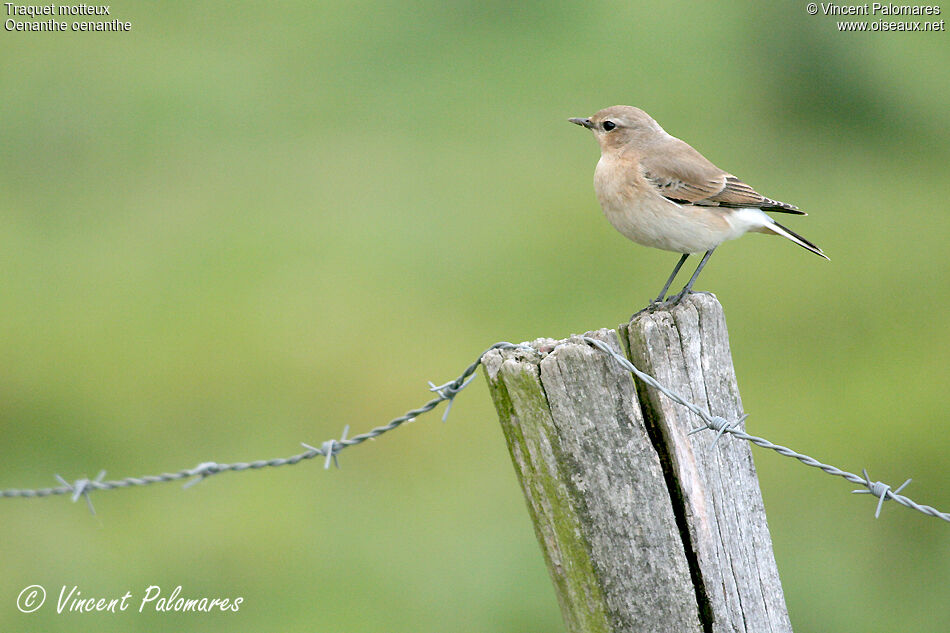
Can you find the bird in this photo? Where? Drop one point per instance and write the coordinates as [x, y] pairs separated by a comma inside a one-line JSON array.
[[658, 191]]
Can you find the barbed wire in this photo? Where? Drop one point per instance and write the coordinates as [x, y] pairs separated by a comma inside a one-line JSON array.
[[328, 449], [719, 424], [447, 391]]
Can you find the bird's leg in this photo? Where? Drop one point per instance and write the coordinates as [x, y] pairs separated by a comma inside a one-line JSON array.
[[669, 281], [686, 290]]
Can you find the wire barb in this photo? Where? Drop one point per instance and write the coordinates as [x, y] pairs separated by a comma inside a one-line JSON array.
[[448, 391], [81, 488], [721, 425], [331, 447], [880, 490], [202, 471]]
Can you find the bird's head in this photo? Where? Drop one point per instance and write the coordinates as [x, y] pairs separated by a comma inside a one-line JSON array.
[[622, 128]]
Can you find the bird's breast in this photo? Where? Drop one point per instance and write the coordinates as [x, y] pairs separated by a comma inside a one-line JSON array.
[[641, 214]]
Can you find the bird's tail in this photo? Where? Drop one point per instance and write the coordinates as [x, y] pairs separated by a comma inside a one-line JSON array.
[[778, 229]]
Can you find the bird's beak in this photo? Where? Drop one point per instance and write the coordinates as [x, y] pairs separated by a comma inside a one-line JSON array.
[[585, 122]]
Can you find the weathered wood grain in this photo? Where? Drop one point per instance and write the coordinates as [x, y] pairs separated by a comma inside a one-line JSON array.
[[643, 527], [686, 348], [594, 487]]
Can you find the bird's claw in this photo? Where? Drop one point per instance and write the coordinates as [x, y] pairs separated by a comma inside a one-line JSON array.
[[672, 300], [657, 304]]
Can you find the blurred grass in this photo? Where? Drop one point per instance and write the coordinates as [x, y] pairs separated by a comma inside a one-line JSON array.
[[237, 228]]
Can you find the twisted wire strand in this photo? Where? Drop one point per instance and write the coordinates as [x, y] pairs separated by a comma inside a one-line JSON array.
[[447, 391], [716, 423], [328, 449]]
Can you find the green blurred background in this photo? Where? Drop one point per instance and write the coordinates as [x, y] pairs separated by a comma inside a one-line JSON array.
[[245, 225]]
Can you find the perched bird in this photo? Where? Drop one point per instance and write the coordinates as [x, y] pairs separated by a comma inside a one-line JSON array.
[[658, 191]]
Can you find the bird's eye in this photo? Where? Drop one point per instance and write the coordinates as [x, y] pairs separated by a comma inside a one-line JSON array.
[[609, 125]]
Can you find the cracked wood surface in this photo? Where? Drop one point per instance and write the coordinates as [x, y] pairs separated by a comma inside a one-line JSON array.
[[643, 528]]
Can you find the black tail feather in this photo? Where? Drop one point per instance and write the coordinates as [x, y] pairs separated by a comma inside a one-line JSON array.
[[798, 239]]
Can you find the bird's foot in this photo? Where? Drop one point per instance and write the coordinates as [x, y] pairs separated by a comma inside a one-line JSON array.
[[678, 297], [664, 304], [656, 304], [653, 305], [672, 300]]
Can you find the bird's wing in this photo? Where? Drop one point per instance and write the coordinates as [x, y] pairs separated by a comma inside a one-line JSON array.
[[680, 173]]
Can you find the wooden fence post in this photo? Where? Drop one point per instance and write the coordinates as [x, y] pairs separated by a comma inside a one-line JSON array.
[[643, 527]]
